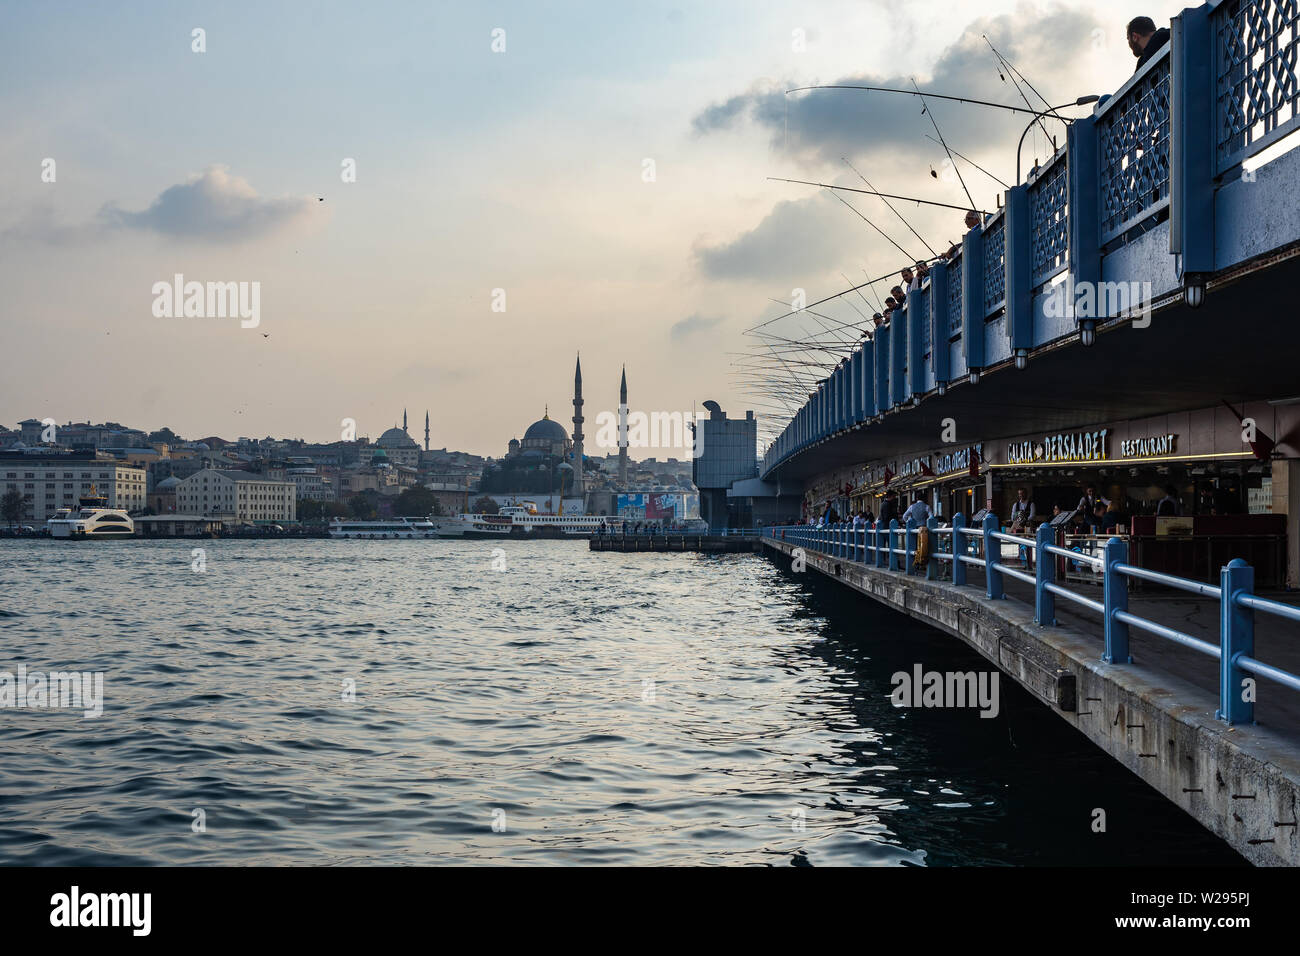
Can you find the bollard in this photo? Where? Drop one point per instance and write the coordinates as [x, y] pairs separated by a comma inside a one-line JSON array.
[[1044, 574], [932, 566], [893, 556], [1115, 588], [958, 549], [1236, 637], [992, 551]]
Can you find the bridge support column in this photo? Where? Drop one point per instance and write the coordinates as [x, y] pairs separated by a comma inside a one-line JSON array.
[[1045, 574], [1236, 637], [958, 549]]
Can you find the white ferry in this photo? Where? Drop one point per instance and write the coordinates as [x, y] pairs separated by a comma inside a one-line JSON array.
[[93, 518], [517, 521], [378, 530]]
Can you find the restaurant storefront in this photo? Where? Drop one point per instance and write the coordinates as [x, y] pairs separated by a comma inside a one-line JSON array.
[[1189, 491]]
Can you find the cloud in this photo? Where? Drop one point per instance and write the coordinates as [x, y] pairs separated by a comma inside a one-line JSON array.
[[798, 237], [692, 325], [215, 206], [829, 124]]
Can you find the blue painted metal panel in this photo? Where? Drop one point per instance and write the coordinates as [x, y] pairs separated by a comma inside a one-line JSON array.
[[1019, 253], [868, 380], [883, 402], [940, 360], [915, 343], [898, 364], [1192, 155], [972, 297]]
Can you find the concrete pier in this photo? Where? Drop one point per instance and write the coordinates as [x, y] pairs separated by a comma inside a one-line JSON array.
[[1242, 782], [716, 543]]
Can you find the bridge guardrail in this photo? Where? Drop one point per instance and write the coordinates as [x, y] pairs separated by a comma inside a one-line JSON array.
[[1239, 605]]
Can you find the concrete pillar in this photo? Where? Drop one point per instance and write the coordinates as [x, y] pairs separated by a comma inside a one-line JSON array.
[[1286, 500]]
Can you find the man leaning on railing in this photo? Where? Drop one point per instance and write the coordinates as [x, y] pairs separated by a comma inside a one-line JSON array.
[[1145, 40]]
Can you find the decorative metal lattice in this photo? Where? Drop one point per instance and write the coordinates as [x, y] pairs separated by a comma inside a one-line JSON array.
[[1049, 214], [1133, 138], [1258, 92], [995, 267], [954, 295], [923, 309]]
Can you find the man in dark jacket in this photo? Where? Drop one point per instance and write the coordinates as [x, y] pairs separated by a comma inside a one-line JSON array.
[[1145, 40]]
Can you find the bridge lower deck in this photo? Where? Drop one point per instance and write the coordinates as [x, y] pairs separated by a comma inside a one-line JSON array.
[[1156, 715]]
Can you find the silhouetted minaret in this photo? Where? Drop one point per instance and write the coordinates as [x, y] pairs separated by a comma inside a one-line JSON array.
[[622, 431], [403, 419], [578, 487], [426, 429]]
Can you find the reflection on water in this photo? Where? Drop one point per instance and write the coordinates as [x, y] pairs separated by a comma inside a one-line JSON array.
[[572, 708]]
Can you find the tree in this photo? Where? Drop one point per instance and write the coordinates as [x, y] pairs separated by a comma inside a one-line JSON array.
[[11, 506], [416, 503], [486, 506], [165, 436], [361, 507]]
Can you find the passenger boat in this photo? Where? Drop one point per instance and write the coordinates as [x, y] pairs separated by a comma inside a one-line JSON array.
[[379, 530], [517, 521], [93, 518]]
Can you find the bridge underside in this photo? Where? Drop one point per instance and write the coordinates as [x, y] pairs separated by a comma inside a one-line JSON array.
[[1242, 344]]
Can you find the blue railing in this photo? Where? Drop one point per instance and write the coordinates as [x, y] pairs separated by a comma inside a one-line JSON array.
[[995, 266], [1133, 150], [1049, 213], [981, 546], [1258, 97]]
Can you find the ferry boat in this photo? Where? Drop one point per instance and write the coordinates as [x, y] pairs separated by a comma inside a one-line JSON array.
[[518, 521], [92, 518], [377, 530]]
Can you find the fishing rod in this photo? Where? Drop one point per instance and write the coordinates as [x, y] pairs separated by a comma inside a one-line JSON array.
[[873, 225], [891, 207], [1012, 67], [972, 162], [926, 110], [940, 96], [1019, 91], [837, 294], [872, 192]]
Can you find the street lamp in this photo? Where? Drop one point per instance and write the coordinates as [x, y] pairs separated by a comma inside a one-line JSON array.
[[1050, 112]]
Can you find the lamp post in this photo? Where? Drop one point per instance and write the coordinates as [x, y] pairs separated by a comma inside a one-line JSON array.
[[1050, 112]]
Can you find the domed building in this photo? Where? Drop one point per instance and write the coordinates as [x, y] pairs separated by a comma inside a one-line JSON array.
[[399, 447], [544, 436]]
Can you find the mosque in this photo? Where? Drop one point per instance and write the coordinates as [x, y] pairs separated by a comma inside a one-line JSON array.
[[548, 459]]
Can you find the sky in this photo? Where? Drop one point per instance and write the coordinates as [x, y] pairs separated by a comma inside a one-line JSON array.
[[531, 181]]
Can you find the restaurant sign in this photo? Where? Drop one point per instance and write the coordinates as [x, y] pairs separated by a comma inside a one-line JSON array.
[[1067, 447], [957, 460], [1151, 446]]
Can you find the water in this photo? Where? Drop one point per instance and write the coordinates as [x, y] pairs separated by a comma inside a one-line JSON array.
[[599, 708]]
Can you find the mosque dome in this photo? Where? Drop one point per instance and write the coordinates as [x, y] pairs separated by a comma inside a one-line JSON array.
[[167, 484], [546, 430], [396, 438]]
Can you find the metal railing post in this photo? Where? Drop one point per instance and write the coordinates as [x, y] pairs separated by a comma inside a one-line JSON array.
[[1115, 589], [893, 534], [1045, 574], [882, 555], [1236, 637], [909, 544], [932, 566], [992, 551], [958, 549]]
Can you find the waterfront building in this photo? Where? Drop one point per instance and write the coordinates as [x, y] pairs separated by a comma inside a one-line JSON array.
[[236, 495], [728, 453], [49, 482]]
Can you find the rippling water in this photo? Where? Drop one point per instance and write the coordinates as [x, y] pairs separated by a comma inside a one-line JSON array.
[[598, 708]]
